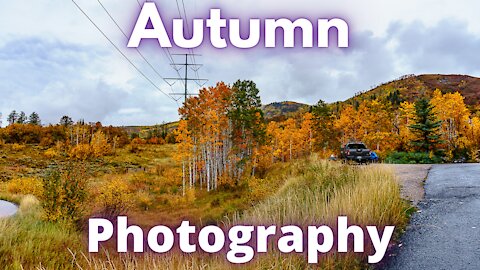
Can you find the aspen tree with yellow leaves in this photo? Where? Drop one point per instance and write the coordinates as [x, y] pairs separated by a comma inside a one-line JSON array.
[[225, 128], [306, 133], [451, 110], [184, 151], [406, 118], [348, 124]]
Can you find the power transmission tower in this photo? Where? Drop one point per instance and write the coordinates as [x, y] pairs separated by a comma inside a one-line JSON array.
[[195, 67]]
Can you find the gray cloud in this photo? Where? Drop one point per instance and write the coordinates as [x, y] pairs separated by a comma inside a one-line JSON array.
[[57, 69], [54, 79], [448, 47]]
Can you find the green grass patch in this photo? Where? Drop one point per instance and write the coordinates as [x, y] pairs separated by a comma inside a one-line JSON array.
[[412, 158], [28, 242]]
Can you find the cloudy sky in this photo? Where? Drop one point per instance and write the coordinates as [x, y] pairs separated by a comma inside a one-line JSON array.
[[55, 62]]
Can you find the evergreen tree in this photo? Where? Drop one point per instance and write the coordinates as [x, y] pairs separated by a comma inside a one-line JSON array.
[[246, 115], [66, 121], [164, 130], [12, 117], [323, 126], [427, 126], [321, 109], [22, 118], [34, 119]]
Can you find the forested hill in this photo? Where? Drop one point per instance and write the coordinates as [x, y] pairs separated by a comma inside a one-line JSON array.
[[411, 87], [285, 109], [406, 88]]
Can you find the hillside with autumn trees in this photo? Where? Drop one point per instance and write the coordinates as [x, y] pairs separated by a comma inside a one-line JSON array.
[[228, 159]]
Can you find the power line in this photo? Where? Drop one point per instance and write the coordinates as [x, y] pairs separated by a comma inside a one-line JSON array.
[[188, 31], [166, 51], [186, 79], [120, 51], [123, 32]]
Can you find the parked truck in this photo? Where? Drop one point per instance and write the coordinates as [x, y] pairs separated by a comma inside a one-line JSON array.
[[355, 151]]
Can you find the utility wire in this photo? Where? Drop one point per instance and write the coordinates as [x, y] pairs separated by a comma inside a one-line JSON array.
[[120, 51], [123, 32], [167, 53], [188, 31]]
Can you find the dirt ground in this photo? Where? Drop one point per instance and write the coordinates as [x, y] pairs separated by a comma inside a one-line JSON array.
[[411, 178]]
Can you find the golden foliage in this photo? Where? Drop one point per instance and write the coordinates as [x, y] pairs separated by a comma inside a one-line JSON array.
[[114, 196], [99, 145], [26, 185], [82, 152], [190, 195], [17, 147], [406, 118], [138, 141], [144, 200], [64, 194], [287, 140], [51, 153], [450, 108]]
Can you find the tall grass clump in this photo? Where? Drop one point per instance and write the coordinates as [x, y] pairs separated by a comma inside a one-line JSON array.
[[324, 190], [28, 242], [321, 193]]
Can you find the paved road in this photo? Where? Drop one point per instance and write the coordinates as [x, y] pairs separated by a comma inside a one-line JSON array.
[[446, 233]]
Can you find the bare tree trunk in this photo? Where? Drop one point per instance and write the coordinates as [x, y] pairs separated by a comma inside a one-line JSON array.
[[183, 177]]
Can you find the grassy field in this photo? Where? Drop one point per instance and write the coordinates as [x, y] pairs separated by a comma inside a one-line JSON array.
[[308, 191]]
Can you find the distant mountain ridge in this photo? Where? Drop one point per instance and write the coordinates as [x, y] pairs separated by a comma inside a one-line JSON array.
[[279, 110], [411, 87]]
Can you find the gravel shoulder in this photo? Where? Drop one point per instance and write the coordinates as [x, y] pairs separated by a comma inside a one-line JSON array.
[[411, 178]]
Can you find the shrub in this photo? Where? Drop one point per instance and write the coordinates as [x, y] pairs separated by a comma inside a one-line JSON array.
[[99, 145], [138, 141], [81, 152], [190, 194], [21, 133], [170, 138], [215, 202], [47, 141], [140, 181], [115, 197], [64, 194], [474, 155], [258, 189], [156, 140], [133, 148], [27, 185], [144, 200], [412, 158], [17, 147], [51, 153]]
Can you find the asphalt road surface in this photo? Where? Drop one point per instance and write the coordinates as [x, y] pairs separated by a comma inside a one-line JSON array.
[[445, 233]]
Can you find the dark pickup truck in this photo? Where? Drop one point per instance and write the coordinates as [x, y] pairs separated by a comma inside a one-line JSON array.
[[355, 151]]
